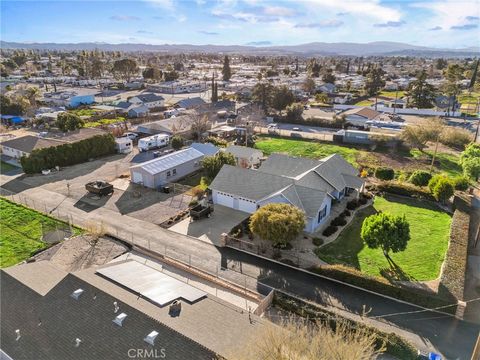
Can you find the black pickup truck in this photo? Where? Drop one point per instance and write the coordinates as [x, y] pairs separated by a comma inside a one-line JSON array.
[[99, 188]]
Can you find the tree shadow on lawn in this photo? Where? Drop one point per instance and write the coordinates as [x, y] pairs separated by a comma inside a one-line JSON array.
[[395, 272]]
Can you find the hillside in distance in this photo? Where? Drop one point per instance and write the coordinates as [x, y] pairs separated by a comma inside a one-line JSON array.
[[386, 48]]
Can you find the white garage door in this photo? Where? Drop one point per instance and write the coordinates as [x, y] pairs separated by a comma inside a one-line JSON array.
[[246, 205], [224, 199], [137, 177]]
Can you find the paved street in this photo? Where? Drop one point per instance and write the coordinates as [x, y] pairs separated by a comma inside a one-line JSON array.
[[451, 337]]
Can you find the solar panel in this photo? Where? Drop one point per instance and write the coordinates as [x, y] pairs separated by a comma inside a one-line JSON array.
[[150, 283]]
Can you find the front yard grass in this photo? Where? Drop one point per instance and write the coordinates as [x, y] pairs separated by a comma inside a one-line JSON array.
[[422, 260], [21, 232]]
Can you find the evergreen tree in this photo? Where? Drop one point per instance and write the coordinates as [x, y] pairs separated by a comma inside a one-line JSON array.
[[226, 71]]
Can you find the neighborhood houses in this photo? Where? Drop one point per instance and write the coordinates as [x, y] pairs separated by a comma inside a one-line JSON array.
[[309, 191]]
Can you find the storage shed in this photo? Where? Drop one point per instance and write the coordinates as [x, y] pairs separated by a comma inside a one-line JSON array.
[[166, 169]]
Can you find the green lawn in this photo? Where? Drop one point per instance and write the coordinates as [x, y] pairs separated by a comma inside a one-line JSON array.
[[305, 148], [446, 162], [104, 122], [21, 232], [6, 167], [364, 103], [392, 94], [429, 230]]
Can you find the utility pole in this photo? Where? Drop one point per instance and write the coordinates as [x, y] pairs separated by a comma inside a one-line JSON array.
[[476, 350]]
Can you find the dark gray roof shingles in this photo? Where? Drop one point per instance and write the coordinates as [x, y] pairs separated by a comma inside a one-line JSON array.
[[63, 319]]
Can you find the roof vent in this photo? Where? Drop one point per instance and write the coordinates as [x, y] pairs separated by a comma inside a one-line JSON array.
[[151, 338], [119, 319], [77, 293], [115, 307], [17, 332], [77, 342]]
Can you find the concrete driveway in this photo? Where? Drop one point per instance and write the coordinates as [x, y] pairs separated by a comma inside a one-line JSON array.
[[222, 220]]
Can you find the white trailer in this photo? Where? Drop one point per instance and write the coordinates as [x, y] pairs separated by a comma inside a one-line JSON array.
[[153, 142], [123, 145]]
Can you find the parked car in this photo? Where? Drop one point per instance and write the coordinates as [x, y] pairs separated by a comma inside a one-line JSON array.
[[296, 128], [201, 210], [130, 135]]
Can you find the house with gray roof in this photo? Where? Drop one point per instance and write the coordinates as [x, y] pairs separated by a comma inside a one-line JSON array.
[[150, 100], [311, 185]]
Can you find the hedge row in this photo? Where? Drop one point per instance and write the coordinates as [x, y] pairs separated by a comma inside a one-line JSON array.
[[394, 344], [382, 286], [68, 154], [404, 189], [452, 281]]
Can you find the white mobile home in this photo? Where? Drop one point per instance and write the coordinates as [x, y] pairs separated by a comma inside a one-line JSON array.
[[169, 168], [123, 145]]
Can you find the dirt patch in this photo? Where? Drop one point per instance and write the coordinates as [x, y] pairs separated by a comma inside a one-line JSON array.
[[79, 253]]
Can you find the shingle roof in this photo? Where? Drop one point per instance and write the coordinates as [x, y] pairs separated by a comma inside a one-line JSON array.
[[62, 319], [247, 183], [284, 165], [189, 103], [29, 143], [370, 114], [241, 151], [150, 97], [169, 161], [311, 199]]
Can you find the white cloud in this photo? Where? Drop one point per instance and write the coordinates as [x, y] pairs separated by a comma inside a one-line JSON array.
[[450, 13], [278, 11], [367, 8]]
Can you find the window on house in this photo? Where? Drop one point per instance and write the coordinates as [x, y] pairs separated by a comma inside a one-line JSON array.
[[174, 171], [322, 213], [168, 173]]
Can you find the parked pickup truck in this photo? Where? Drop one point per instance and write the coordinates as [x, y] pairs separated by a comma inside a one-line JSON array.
[[199, 211], [99, 187]]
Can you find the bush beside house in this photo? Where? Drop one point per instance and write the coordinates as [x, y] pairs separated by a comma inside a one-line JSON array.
[[68, 154]]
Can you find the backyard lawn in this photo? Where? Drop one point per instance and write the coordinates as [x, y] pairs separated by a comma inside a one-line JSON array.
[[400, 161], [422, 260], [6, 167], [21, 232], [305, 148]]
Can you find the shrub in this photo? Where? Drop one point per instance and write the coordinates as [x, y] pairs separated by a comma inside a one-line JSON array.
[[420, 178], [68, 154], [461, 183], [317, 241], [443, 190], [216, 141], [346, 213], [456, 138], [362, 201], [434, 180], [339, 221], [352, 204], [381, 285], [452, 281], [330, 230], [384, 173], [404, 189], [197, 192], [394, 344], [177, 142]]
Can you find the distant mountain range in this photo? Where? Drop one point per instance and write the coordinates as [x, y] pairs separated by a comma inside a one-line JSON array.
[[386, 48]]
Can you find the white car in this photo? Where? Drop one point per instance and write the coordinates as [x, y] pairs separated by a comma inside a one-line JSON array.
[[130, 135], [296, 128]]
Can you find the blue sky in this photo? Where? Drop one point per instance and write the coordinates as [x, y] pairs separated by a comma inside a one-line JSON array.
[[438, 23]]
